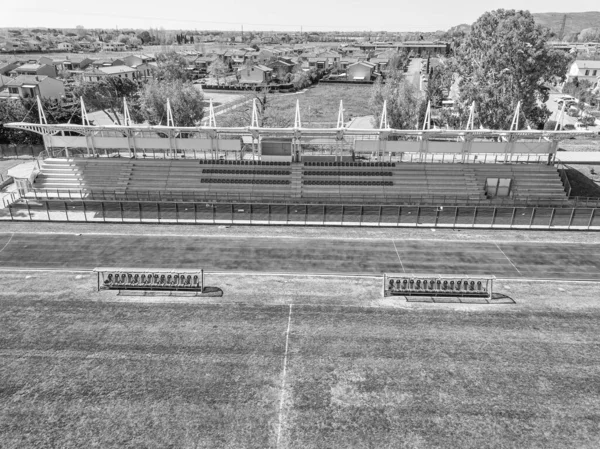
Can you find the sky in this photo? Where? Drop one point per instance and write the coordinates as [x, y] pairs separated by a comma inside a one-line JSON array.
[[266, 15]]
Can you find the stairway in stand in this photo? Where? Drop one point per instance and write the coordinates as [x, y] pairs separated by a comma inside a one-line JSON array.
[[297, 179], [471, 180], [124, 177]]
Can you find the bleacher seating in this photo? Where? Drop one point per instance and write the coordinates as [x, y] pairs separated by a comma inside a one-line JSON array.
[[347, 181]]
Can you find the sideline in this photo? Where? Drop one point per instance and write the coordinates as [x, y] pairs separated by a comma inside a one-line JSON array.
[[9, 240], [508, 258], [287, 339]]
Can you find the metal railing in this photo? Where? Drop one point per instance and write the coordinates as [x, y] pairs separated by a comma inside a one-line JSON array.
[[227, 197], [487, 217]]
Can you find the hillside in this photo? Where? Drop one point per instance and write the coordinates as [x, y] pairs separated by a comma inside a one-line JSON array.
[[576, 21]]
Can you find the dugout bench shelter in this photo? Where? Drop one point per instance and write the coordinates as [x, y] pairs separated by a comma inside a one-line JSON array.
[[155, 279], [448, 286]]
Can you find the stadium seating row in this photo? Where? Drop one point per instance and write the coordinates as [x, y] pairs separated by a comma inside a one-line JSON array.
[[350, 164], [229, 162], [246, 181], [346, 173], [217, 171], [348, 183]]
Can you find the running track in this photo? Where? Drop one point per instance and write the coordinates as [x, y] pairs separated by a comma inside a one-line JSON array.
[[299, 255]]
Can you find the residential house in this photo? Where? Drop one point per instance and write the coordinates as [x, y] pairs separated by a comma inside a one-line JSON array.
[[57, 63], [34, 69], [65, 46], [98, 63], [254, 74], [333, 58], [381, 64], [135, 60], [282, 66], [31, 86], [203, 62], [120, 71], [584, 70], [360, 71], [346, 61], [8, 66], [77, 62], [114, 46], [4, 80]]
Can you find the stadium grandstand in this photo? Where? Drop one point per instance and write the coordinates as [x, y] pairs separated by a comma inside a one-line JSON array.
[[293, 165]]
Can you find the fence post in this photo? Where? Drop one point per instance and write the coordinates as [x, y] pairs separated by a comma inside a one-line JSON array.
[[176, 212], [455, 216], [158, 212], [103, 211], [474, 215], [571, 219], [84, 211], [122, 215], [591, 218], [195, 206], [512, 220], [48, 210], [532, 216], [494, 217], [66, 210], [140, 209]]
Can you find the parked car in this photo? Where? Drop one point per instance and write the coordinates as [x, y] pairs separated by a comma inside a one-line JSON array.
[[565, 98]]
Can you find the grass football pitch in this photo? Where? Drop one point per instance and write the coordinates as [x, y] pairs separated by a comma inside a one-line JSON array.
[[77, 370]]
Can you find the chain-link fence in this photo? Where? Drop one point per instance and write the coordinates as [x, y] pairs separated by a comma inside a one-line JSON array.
[[577, 218]]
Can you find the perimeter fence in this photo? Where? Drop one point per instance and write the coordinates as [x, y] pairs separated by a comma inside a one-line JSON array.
[[152, 212]]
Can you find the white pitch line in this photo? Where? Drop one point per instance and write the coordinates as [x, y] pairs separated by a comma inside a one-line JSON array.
[[11, 237], [287, 339], [507, 258], [398, 254]]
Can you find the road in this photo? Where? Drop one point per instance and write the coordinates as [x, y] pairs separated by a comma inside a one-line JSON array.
[[302, 255]]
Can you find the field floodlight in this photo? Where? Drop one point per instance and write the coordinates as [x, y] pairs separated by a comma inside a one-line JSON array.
[[427, 119], [471, 120], [383, 123], [254, 119], [560, 117], [41, 114], [85, 121], [126, 116], [340, 120], [212, 121], [170, 121], [297, 120], [514, 125]]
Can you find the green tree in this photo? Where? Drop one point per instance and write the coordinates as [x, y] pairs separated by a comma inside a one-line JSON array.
[[107, 95], [217, 69], [171, 66], [27, 111], [503, 60], [187, 103], [405, 104]]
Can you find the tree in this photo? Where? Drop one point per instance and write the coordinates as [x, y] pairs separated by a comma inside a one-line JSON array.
[[589, 35], [107, 95], [503, 60], [187, 103], [27, 111], [171, 66], [145, 37], [405, 104], [217, 69]]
